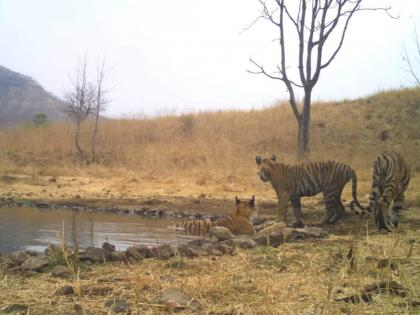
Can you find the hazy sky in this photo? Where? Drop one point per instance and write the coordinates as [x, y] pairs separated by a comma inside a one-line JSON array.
[[186, 55]]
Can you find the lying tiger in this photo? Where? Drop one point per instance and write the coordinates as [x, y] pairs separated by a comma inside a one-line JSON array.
[[238, 221]]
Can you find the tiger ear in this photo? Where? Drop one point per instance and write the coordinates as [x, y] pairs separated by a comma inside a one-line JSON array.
[[237, 201], [273, 158], [252, 202], [258, 159]]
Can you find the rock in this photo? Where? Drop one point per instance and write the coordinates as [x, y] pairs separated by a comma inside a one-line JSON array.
[[175, 299], [198, 242], [312, 232], [109, 247], [94, 254], [34, 264], [274, 239], [65, 290], [15, 309], [117, 256], [138, 252], [219, 234], [118, 305], [225, 249], [191, 251], [211, 249], [164, 251], [60, 271], [241, 241], [19, 257], [31, 252]]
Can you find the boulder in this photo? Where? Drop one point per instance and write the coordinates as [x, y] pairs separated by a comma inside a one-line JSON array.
[[65, 290], [60, 271], [198, 242], [118, 256], [225, 249], [313, 232], [19, 257], [138, 252], [94, 255], [175, 299], [219, 234], [109, 247], [191, 251], [241, 241], [34, 263], [164, 251]]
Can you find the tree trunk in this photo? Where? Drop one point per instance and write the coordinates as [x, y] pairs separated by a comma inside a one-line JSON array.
[[80, 152], [95, 131], [304, 125]]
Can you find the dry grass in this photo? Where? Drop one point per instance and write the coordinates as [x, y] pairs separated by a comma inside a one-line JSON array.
[[224, 142]]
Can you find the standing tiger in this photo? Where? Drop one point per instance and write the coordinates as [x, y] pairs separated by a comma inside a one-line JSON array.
[[238, 221], [291, 182], [390, 178]]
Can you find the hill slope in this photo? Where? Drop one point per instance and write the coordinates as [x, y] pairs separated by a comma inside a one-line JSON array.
[[21, 98]]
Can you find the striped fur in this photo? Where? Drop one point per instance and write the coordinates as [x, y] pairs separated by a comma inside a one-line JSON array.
[[238, 221], [390, 178], [291, 182]]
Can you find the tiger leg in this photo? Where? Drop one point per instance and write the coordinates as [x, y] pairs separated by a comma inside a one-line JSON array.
[[297, 211], [283, 200], [332, 209], [381, 219], [395, 212], [338, 210], [376, 191]]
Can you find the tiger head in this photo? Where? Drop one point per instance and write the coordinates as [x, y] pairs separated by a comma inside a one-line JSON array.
[[246, 208], [265, 167]]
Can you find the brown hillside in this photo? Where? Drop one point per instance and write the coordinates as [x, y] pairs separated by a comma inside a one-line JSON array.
[[350, 131]]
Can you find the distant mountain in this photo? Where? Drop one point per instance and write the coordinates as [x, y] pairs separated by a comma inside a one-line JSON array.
[[21, 98]]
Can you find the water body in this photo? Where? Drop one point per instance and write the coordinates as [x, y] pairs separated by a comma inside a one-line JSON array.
[[32, 228]]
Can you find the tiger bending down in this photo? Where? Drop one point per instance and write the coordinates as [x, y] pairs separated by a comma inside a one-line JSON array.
[[390, 178], [291, 182], [238, 221]]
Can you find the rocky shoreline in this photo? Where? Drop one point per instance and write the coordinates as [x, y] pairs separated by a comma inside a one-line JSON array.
[[62, 260]]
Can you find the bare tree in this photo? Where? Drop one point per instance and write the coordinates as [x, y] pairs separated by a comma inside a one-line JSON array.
[[413, 61], [101, 101], [315, 23], [79, 102]]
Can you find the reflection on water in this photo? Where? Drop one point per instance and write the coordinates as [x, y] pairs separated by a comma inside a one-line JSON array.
[[32, 228]]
